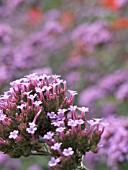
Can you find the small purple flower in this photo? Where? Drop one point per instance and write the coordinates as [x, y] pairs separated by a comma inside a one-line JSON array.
[[68, 152], [60, 129], [79, 122], [94, 121], [61, 115], [83, 109], [72, 108], [56, 146], [62, 111], [32, 128], [57, 122], [72, 123], [48, 136], [14, 134], [53, 161], [52, 115]]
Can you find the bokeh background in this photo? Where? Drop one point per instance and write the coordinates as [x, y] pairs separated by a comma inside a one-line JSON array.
[[84, 41]]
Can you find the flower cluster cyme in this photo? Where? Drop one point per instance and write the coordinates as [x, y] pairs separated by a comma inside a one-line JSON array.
[[114, 141], [37, 116]]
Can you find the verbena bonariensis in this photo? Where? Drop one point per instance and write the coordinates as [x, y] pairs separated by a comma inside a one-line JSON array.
[[115, 142], [37, 117]]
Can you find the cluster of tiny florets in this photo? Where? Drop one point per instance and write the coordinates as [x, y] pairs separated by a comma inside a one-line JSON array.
[[72, 137], [24, 108], [114, 141], [37, 116]]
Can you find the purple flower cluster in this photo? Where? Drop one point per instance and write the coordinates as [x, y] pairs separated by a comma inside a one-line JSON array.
[[90, 95], [114, 142], [23, 111], [113, 86], [122, 92], [37, 113], [111, 81], [22, 51], [72, 135], [90, 35]]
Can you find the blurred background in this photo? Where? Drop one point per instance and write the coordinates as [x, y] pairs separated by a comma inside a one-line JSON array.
[[85, 41]]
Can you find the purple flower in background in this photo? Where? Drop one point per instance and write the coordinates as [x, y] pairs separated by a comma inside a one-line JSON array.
[[35, 167], [13, 164], [73, 78], [122, 92], [90, 94], [109, 108], [3, 158], [114, 141], [90, 35], [53, 27], [8, 163], [113, 80], [52, 14], [5, 32]]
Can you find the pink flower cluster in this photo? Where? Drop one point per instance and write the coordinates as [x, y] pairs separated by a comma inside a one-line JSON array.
[[37, 117], [72, 135], [23, 111]]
